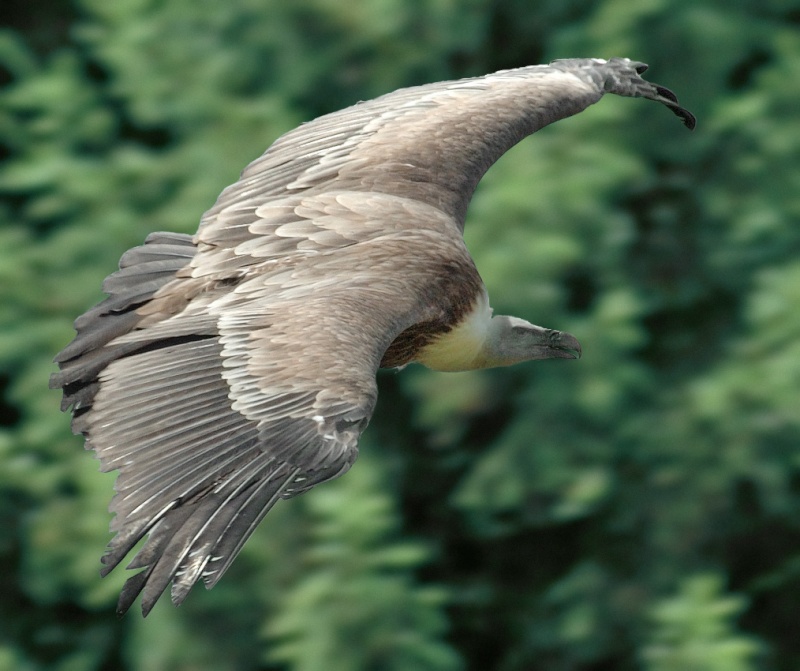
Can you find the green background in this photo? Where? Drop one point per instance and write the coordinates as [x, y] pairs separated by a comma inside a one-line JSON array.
[[639, 509]]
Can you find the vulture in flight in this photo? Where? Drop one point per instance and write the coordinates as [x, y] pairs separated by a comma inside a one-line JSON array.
[[236, 367]]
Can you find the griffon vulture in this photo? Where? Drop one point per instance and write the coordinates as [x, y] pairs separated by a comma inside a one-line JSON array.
[[236, 367]]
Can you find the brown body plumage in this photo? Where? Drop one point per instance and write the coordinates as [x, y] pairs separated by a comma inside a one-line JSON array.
[[234, 368]]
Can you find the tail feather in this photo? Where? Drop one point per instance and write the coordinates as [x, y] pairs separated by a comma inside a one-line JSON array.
[[143, 271]]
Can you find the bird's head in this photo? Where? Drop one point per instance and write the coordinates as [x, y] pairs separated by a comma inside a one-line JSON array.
[[510, 340]]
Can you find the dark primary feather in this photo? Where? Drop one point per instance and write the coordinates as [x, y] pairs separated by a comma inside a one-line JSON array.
[[231, 369]]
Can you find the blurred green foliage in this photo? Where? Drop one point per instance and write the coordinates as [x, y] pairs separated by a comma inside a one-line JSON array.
[[693, 631], [639, 509]]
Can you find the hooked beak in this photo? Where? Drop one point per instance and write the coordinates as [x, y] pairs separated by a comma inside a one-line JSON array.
[[563, 345]]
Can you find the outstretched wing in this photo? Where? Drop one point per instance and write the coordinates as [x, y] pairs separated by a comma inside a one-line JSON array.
[[251, 392], [209, 432], [430, 143]]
